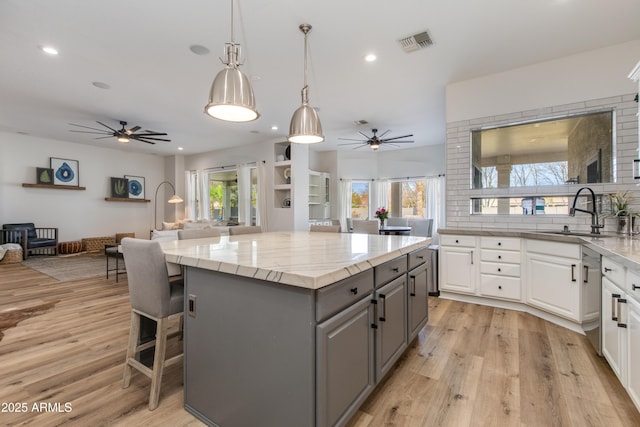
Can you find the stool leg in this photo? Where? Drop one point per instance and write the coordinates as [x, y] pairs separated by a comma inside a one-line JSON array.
[[131, 348], [158, 362]]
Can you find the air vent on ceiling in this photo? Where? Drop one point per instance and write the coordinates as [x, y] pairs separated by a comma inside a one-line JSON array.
[[416, 42], [360, 122]]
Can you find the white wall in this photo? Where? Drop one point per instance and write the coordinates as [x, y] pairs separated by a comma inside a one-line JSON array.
[[77, 214], [590, 75]]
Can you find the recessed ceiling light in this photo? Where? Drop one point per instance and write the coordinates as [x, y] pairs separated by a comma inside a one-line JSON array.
[[274, 127], [254, 131], [370, 57], [49, 50], [101, 85], [198, 49]]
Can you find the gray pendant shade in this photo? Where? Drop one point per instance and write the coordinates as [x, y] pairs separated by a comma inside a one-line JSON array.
[[231, 97], [305, 127]]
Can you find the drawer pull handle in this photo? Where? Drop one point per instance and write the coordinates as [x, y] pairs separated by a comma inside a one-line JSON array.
[[354, 291], [413, 285], [614, 314], [586, 274], [471, 257], [191, 301], [634, 287], [573, 272], [383, 318], [420, 256], [395, 269], [606, 269], [621, 301]]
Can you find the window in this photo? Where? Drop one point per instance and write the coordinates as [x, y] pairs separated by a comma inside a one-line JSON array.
[[223, 195], [408, 199], [360, 200]]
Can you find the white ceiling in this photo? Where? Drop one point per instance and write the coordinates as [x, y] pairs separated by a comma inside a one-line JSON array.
[[140, 48]]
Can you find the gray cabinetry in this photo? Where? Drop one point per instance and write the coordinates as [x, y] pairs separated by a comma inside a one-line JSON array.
[[345, 363], [391, 322], [417, 300]]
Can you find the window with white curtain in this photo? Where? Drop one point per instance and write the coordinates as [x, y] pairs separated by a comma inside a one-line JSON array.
[[360, 199], [193, 196], [408, 198]]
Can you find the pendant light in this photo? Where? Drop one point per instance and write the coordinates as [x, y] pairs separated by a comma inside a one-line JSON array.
[[305, 125], [231, 97]]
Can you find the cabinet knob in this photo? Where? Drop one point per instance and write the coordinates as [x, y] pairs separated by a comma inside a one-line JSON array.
[[499, 286], [499, 243], [354, 291], [499, 269], [499, 256], [457, 241]]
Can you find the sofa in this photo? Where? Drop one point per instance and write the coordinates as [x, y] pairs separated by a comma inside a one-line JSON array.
[[32, 239]]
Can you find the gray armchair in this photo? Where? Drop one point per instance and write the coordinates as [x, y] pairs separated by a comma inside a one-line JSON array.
[[31, 238]]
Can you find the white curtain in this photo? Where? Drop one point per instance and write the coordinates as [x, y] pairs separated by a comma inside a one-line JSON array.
[[244, 193], [344, 203], [435, 206], [380, 196], [262, 216], [204, 194]]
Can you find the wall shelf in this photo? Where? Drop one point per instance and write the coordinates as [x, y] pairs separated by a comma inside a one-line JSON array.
[[124, 199], [52, 186]]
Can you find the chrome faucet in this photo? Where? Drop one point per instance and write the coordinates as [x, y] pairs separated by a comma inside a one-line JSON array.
[[595, 224]]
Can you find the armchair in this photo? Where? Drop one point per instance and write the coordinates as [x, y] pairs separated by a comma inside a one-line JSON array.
[[30, 237]]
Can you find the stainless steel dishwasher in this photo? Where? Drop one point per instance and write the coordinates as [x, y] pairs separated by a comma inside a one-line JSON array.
[[432, 270], [591, 296]]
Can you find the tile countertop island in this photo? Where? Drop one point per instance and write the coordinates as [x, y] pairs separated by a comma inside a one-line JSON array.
[[295, 328], [304, 259], [621, 248]]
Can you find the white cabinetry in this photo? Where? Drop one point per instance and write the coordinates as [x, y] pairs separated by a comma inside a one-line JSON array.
[[633, 328], [319, 206], [552, 277], [500, 267], [458, 266]]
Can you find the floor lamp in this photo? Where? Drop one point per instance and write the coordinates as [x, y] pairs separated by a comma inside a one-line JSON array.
[[174, 199]]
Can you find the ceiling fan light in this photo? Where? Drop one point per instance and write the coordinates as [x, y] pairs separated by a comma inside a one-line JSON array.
[[123, 139], [305, 126], [231, 97], [375, 145]]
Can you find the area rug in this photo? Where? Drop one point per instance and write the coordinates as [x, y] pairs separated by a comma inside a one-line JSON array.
[[69, 268]]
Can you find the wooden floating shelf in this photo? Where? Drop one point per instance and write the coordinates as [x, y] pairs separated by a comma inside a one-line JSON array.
[[56, 187], [124, 199]]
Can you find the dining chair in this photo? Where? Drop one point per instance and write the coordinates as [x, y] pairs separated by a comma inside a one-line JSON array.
[[198, 233], [246, 229], [155, 297], [362, 226], [325, 228], [421, 227], [398, 221]]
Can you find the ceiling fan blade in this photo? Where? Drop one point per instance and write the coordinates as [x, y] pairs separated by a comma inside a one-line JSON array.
[[366, 136], [87, 127], [397, 137], [351, 139], [397, 142], [384, 133], [144, 138], [363, 145], [148, 142], [355, 143], [108, 127], [101, 132], [104, 137], [152, 134], [133, 130]]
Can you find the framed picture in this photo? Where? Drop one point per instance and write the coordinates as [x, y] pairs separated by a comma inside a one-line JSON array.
[[44, 176], [65, 171], [136, 186], [119, 187]]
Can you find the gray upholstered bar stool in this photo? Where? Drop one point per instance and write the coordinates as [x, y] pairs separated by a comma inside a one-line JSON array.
[[325, 228], [244, 229], [198, 233], [155, 297]]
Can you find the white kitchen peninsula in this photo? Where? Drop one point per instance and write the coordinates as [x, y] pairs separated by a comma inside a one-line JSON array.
[[295, 328]]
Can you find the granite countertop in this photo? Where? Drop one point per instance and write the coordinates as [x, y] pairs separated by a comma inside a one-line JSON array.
[[621, 248], [298, 258]]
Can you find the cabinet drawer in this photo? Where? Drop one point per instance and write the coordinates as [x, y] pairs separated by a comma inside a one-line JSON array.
[[507, 243], [340, 295], [633, 284], [384, 273], [613, 271], [545, 247], [417, 257], [500, 256], [500, 269], [453, 240], [500, 287]]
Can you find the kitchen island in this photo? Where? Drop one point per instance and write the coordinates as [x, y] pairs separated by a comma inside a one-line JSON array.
[[295, 328]]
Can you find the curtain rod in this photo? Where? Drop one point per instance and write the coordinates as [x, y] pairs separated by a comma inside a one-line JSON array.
[[399, 178]]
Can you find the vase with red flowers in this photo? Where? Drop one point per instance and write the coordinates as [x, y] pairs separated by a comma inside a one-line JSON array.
[[382, 214]]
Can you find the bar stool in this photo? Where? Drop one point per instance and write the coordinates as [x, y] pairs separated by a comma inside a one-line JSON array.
[[155, 297]]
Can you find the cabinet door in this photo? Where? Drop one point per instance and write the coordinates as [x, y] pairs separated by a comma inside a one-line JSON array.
[[633, 343], [345, 363], [553, 285], [457, 270], [417, 300], [391, 313], [612, 335]]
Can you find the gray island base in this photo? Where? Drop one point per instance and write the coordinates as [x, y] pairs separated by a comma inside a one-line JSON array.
[[263, 353]]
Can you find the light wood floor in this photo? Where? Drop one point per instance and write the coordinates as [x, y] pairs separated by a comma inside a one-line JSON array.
[[472, 366]]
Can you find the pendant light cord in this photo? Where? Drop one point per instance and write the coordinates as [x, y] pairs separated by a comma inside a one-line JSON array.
[[232, 42], [305, 28]]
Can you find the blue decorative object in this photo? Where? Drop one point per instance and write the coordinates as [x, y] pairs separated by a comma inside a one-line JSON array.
[[136, 186], [65, 172]]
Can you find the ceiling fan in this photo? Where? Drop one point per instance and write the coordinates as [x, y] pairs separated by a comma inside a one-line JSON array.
[[375, 141], [123, 135]]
